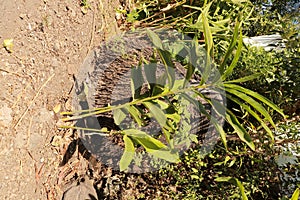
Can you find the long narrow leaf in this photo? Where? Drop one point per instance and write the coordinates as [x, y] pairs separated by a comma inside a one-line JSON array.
[[254, 114], [235, 60], [152, 145], [212, 119], [207, 34], [239, 129], [191, 65], [169, 66], [145, 140], [209, 48], [257, 106], [255, 95], [231, 47], [136, 81]]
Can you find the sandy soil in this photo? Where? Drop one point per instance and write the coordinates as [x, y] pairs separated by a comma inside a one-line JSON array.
[[51, 40]]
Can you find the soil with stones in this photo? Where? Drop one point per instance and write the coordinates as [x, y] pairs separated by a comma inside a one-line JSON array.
[[50, 41]]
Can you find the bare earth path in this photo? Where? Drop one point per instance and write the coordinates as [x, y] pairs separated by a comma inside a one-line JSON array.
[[51, 40]]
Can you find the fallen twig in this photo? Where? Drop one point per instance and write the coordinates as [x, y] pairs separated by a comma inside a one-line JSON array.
[[32, 101]]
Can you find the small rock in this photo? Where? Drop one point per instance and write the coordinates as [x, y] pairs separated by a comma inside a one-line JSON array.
[[22, 16], [5, 115], [56, 46], [20, 140]]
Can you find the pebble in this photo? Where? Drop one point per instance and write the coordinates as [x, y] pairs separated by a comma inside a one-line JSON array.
[[5, 115]]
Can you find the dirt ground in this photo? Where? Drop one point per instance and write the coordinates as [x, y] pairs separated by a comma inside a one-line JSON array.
[[51, 40]]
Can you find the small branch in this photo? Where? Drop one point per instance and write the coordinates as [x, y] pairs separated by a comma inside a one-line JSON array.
[[33, 100], [14, 73]]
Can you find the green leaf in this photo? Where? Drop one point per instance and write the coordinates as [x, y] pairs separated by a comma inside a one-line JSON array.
[[295, 194], [166, 58], [135, 113], [119, 116], [221, 131], [150, 72], [156, 112], [242, 189], [178, 84], [223, 179], [155, 39], [128, 154], [207, 34], [221, 22], [235, 60], [166, 155], [176, 48], [255, 95], [163, 105], [218, 107], [231, 47], [239, 129], [193, 61], [144, 139], [136, 81], [254, 114], [152, 145], [257, 106], [193, 138], [209, 48], [174, 116]]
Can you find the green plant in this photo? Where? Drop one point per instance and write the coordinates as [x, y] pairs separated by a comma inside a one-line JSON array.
[[246, 98]]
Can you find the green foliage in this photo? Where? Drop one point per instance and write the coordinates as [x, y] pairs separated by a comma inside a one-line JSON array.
[[244, 167], [280, 81], [232, 174], [158, 109]]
